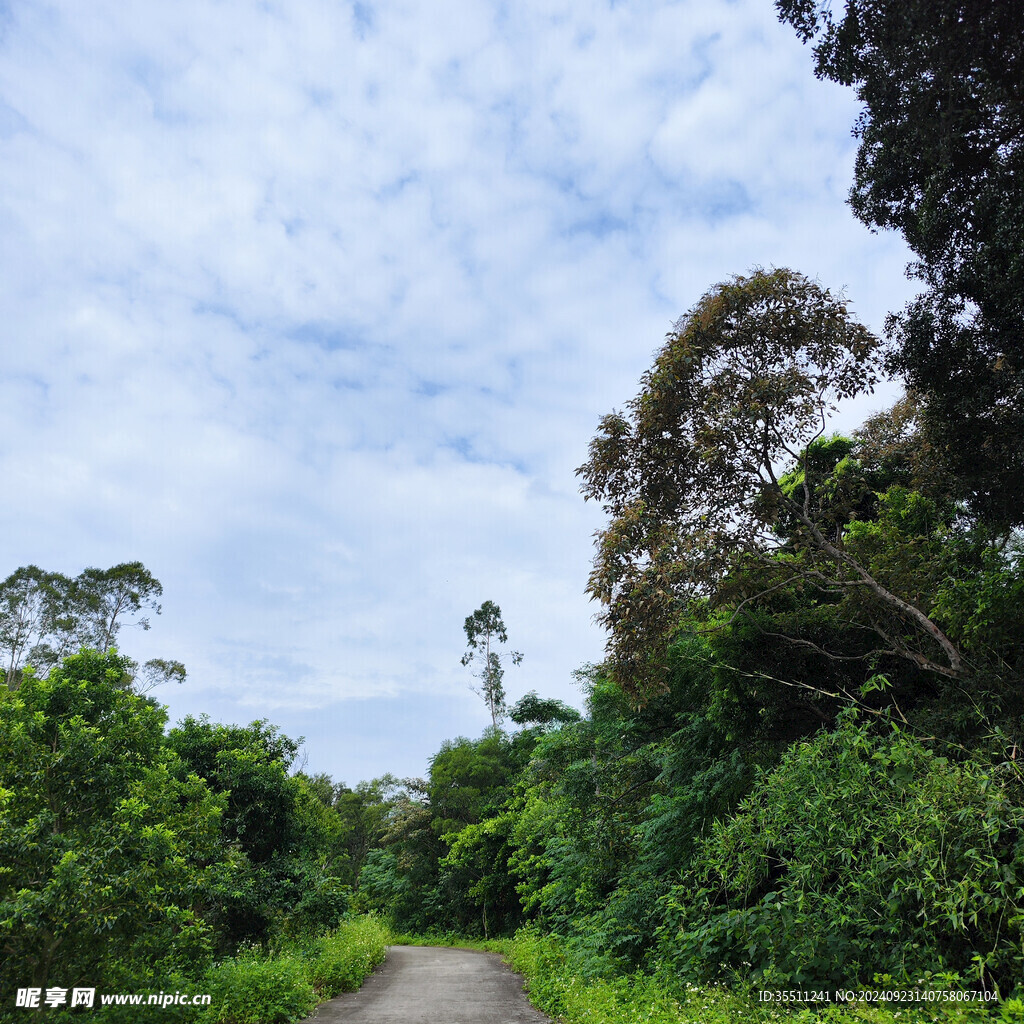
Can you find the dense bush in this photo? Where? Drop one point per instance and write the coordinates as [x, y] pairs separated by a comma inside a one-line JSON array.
[[254, 989], [260, 988], [339, 962], [558, 988], [862, 853]]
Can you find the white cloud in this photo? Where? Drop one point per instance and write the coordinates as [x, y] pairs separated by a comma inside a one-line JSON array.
[[315, 311]]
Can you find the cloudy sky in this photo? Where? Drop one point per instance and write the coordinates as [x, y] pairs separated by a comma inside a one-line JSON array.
[[313, 307]]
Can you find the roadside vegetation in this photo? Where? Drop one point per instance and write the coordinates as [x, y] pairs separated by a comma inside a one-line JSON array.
[[559, 989], [285, 984], [451, 940], [134, 860], [799, 766]]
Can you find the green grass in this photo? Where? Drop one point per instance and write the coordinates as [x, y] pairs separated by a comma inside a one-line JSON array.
[[451, 939], [557, 990], [259, 988]]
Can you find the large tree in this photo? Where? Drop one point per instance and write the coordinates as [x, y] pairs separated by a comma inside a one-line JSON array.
[[486, 633], [942, 161], [693, 478], [45, 616], [287, 870], [104, 842]]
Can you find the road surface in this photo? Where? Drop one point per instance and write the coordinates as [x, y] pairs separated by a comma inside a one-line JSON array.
[[435, 985]]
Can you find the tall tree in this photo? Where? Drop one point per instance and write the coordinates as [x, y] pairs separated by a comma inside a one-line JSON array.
[[27, 613], [942, 161], [692, 479], [485, 633], [46, 616], [109, 595], [103, 847]]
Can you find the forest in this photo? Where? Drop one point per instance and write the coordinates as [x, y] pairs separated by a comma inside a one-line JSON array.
[[799, 768]]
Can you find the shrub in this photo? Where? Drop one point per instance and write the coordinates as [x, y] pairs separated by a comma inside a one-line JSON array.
[[860, 854], [556, 987], [341, 961], [251, 989]]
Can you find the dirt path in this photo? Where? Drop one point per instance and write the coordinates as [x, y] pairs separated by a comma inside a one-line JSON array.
[[434, 985]]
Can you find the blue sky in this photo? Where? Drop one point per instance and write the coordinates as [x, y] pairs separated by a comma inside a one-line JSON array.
[[314, 307]]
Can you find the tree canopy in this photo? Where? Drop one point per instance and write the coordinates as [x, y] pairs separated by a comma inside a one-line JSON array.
[[941, 160], [692, 475], [485, 634], [103, 843], [46, 616]]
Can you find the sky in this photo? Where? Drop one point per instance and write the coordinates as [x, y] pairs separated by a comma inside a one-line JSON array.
[[314, 307]]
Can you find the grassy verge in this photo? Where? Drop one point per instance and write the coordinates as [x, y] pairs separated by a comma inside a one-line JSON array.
[[558, 991], [259, 988], [450, 939]]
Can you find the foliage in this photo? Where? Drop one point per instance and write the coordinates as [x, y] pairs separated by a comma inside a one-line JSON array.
[[476, 865], [485, 631], [556, 987], [450, 940], [466, 778], [893, 449], [444, 857], [45, 616], [689, 475], [399, 879], [970, 588], [338, 962], [254, 989], [609, 808], [544, 713], [861, 853], [362, 812], [857, 562], [941, 160], [288, 867], [104, 840]]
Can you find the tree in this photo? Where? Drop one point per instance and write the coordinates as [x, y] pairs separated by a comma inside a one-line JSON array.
[[45, 616], [249, 763], [692, 476], [26, 615], [892, 448], [942, 161], [108, 595], [485, 631], [364, 813], [542, 712], [288, 871], [103, 844], [399, 878]]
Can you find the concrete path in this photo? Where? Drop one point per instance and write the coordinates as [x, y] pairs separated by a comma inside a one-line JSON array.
[[435, 985]]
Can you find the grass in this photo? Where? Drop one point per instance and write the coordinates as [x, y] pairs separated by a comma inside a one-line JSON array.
[[260, 988], [451, 939], [559, 991]]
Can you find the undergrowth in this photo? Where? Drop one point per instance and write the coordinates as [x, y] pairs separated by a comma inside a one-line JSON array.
[[256, 987], [450, 939], [557, 988]]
